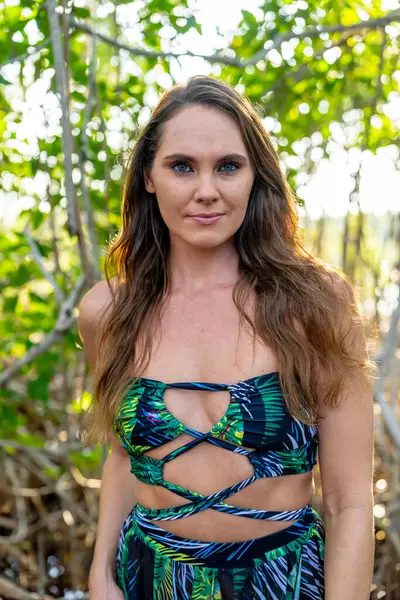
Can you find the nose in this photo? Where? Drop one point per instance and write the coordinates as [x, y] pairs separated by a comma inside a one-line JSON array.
[[206, 189]]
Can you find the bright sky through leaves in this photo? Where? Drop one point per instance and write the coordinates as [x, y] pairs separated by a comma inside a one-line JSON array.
[[329, 188], [326, 191]]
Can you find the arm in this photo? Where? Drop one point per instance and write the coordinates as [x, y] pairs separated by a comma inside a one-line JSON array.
[[346, 465], [117, 496]]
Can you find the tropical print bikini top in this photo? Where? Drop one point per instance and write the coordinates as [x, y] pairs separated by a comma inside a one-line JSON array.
[[256, 424]]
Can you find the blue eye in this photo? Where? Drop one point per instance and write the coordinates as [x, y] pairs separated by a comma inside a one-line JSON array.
[[179, 164], [175, 167], [237, 167]]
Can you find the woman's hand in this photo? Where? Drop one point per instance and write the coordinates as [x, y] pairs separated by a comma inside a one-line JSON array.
[[104, 588]]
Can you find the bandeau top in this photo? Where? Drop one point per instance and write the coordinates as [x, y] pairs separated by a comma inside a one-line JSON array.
[[256, 424]]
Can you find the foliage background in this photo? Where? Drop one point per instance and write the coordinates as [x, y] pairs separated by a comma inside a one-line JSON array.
[[77, 79]]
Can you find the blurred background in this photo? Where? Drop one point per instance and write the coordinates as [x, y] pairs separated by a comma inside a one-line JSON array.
[[77, 80]]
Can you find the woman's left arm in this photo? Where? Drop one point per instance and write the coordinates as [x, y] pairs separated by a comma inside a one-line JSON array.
[[346, 457]]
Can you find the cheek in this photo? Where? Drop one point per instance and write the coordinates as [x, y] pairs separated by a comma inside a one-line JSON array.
[[245, 186], [171, 207], [171, 194], [239, 196]]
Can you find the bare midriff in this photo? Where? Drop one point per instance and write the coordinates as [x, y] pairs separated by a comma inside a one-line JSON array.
[[207, 469]]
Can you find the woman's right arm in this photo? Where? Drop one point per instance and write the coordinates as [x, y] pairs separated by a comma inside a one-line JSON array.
[[116, 501], [117, 494]]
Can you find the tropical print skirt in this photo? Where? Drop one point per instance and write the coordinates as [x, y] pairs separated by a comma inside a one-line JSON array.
[[154, 564]]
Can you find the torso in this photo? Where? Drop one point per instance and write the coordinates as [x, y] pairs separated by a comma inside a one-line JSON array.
[[199, 341]]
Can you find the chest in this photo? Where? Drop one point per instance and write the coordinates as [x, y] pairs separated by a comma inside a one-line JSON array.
[[202, 339]]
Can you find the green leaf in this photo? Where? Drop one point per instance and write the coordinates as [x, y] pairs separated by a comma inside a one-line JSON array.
[[10, 302], [39, 299], [52, 472], [249, 17], [38, 389], [8, 416], [21, 276], [82, 13], [30, 439], [36, 218], [4, 81]]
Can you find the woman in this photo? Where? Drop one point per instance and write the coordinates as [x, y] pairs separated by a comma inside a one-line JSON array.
[[213, 292]]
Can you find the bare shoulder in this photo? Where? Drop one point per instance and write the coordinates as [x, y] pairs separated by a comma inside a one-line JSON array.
[[95, 302], [92, 312]]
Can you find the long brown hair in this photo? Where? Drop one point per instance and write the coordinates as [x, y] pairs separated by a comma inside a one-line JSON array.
[[297, 305]]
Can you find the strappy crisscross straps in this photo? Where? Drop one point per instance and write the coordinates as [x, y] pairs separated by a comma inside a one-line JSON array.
[[256, 418]]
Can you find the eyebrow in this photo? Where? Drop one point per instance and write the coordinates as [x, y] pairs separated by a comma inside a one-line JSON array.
[[180, 156]]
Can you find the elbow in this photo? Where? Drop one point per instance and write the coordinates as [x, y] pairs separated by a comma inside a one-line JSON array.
[[336, 503]]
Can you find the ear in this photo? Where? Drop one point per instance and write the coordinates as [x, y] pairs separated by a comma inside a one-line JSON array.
[[148, 182]]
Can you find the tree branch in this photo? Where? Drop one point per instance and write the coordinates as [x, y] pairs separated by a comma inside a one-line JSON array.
[[220, 58], [303, 70], [22, 518], [74, 224], [153, 53], [64, 322], [67, 143], [12, 591], [39, 261], [91, 226], [394, 15], [21, 57]]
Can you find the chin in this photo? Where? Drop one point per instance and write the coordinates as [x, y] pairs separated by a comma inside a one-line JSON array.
[[207, 241]]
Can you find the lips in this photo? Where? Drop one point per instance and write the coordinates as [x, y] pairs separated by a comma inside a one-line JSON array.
[[208, 215], [207, 218]]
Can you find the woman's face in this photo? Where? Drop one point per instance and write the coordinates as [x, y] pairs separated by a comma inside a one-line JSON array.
[[202, 176]]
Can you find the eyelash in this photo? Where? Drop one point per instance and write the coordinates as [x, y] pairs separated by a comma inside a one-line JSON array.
[[180, 162]]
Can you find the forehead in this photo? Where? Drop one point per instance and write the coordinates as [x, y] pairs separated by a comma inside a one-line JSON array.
[[203, 129]]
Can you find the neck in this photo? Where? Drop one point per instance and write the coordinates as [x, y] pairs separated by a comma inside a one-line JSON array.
[[196, 270]]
